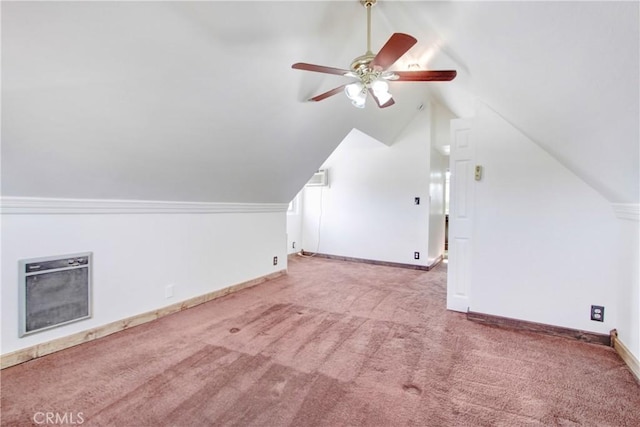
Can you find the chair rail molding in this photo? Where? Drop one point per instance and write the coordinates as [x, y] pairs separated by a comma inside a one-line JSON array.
[[36, 205]]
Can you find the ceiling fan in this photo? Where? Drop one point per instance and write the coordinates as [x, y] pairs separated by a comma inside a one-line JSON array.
[[371, 70]]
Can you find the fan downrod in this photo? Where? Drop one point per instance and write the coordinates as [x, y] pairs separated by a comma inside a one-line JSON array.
[[361, 63]]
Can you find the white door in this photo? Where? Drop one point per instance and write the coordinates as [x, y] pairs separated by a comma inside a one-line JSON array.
[[462, 167]]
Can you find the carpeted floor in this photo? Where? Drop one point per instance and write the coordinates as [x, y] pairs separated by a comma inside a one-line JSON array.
[[333, 343]]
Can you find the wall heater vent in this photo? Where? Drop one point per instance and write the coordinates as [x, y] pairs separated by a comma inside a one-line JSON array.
[[54, 291], [319, 179]]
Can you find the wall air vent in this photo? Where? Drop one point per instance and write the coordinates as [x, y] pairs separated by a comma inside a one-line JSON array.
[[54, 291], [319, 179]]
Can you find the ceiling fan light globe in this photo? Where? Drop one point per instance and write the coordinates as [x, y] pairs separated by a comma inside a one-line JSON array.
[[359, 103], [379, 86], [353, 90]]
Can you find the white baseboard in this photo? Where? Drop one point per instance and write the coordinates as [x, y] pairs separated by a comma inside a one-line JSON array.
[[626, 355], [42, 349]]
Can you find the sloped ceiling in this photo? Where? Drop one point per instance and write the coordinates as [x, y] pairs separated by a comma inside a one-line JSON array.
[[565, 73], [196, 101]]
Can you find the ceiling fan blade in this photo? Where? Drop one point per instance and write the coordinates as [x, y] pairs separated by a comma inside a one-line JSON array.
[[328, 94], [397, 45], [320, 69], [389, 103], [424, 76]]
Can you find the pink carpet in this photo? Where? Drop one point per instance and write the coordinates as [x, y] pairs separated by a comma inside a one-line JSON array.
[[333, 343]]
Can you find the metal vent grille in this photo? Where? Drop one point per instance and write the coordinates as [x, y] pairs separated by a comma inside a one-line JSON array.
[[54, 291]]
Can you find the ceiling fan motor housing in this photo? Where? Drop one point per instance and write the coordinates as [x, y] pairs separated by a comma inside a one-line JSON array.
[[362, 62]]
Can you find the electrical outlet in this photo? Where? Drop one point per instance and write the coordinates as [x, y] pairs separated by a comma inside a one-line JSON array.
[[293, 245], [168, 291], [416, 255], [275, 260], [416, 200], [597, 313]]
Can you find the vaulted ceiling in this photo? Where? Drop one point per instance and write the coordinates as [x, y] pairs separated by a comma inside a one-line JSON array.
[[197, 101]]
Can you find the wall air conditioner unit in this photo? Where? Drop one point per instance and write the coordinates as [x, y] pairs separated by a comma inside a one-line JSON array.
[[319, 179]]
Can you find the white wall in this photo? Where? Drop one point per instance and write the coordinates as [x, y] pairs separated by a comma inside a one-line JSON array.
[[294, 225], [440, 138], [628, 325], [136, 255], [368, 210], [546, 245], [437, 172], [441, 130]]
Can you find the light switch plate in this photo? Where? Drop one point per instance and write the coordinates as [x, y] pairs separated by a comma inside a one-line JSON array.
[[478, 173]]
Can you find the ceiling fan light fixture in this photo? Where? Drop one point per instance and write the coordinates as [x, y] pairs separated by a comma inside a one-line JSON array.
[[357, 93], [379, 86], [359, 102], [371, 69], [380, 89], [354, 90]]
